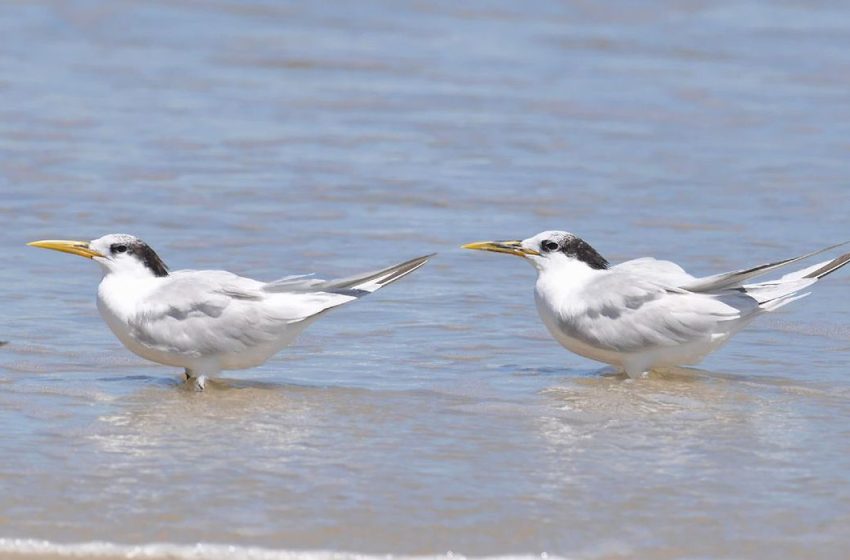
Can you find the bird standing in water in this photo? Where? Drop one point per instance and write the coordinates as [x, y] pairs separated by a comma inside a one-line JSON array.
[[206, 321], [646, 314]]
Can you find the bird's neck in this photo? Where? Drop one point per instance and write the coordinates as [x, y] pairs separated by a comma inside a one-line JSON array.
[[119, 292], [127, 269], [562, 280]]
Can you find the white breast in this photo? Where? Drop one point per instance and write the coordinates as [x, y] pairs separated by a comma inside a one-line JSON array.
[[118, 296], [547, 311]]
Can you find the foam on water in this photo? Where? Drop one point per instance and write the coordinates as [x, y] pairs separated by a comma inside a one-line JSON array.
[[45, 550]]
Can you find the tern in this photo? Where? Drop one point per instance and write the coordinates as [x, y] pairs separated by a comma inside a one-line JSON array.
[[206, 321], [647, 314]]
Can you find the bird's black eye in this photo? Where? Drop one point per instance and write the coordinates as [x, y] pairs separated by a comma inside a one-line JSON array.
[[118, 248], [549, 246]]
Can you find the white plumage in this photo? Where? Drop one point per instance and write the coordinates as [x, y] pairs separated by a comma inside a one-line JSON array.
[[209, 320], [647, 313]]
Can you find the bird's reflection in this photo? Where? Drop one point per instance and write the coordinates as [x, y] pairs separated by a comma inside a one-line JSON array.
[[676, 416], [164, 415]]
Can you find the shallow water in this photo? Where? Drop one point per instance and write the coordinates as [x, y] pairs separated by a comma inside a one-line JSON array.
[[436, 415]]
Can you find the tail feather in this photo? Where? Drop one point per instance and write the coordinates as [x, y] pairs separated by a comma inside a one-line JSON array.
[[766, 291], [776, 303], [775, 294], [355, 286]]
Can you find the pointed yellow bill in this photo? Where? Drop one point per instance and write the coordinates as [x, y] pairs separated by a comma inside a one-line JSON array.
[[509, 247], [80, 248]]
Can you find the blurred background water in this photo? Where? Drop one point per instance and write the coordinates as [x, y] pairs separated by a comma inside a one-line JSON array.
[[273, 138]]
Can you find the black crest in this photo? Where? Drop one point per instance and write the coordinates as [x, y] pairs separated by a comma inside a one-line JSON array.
[[142, 251], [581, 250], [151, 260]]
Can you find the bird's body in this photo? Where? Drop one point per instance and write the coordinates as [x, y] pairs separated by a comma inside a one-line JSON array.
[[206, 321], [645, 313]]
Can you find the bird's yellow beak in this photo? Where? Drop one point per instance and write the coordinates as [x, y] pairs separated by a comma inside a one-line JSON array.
[[80, 248], [509, 247]]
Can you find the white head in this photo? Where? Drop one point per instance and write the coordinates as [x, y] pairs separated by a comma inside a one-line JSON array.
[[115, 253], [549, 250]]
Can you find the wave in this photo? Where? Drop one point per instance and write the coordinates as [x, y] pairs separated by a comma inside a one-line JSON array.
[[29, 549]]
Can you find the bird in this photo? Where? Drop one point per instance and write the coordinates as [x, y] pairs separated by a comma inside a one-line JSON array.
[[647, 314], [206, 321]]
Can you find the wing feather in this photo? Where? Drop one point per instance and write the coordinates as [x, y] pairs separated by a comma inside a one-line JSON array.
[[738, 277], [200, 313], [627, 312]]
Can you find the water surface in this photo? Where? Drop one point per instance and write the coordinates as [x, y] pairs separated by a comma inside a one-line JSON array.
[[435, 416]]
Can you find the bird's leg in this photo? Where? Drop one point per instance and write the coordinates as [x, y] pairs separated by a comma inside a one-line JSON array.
[[636, 370], [195, 379]]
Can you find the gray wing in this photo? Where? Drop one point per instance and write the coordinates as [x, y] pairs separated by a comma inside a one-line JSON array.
[[198, 313], [203, 312], [664, 272], [627, 312]]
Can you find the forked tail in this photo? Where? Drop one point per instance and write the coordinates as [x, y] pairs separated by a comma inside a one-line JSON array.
[[775, 294]]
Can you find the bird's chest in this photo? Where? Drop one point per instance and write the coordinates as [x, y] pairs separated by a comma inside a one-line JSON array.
[[561, 319], [565, 313], [119, 300], [560, 299]]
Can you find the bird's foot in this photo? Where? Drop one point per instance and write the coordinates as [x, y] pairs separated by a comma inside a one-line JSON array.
[[200, 382], [197, 383], [637, 373]]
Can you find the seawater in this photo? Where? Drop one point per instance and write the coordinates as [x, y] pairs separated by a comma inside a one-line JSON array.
[[435, 416]]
